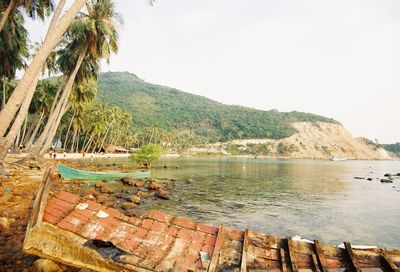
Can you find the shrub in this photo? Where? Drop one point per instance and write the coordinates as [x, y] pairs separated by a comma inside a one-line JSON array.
[[146, 155]]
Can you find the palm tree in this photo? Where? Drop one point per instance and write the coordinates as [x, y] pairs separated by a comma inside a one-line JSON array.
[[90, 38], [34, 9], [57, 28], [13, 50], [41, 105]]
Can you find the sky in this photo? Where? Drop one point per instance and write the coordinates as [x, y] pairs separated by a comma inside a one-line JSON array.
[[337, 58]]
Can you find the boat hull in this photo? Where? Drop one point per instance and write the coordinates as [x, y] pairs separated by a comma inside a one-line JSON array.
[[71, 173]]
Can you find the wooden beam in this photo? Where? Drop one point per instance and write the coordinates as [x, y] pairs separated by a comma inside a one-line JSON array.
[[282, 259], [292, 254], [243, 265], [320, 257], [315, 263], [41, 200], [389, 263], [353, 261], [217, 250]]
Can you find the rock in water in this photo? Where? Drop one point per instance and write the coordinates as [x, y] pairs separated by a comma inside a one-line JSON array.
[[128, 181], [104, 188], [128, 205], [142, 194], [163, 194], [154, 185], [369, 179], [139, 183], [189, 181], [386, 181], [45, 265], [135, 199]]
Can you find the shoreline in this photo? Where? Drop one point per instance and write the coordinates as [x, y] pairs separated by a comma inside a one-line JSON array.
[[68, 156]]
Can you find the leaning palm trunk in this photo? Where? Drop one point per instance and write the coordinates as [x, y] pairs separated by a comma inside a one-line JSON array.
[[14, 102], [4, 92], [6, 14], [62, 104], [28, 145], [105, 135], [53, 130], [72, 149], [20, 142], [15, 129], [30, 129], [68, 130]]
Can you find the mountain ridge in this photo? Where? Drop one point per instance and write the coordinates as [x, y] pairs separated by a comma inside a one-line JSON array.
[[171, 109]]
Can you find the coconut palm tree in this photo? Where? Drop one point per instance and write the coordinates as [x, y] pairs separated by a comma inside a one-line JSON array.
[[91, 37], [13, 50], [34, 9], [57, 28]]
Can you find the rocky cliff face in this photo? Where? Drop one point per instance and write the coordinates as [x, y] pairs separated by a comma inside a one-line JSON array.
[[316, 140]]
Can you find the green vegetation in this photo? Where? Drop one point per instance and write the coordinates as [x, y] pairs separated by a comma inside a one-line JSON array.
[[394, 148], [154, 106], [147, 154]]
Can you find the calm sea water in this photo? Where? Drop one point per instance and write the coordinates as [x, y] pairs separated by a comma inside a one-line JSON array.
[[313, 199]]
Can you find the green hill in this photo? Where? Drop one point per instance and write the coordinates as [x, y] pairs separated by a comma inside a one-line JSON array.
[[170, 109]]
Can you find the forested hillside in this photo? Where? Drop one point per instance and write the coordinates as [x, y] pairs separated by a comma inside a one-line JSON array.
[[154, 106]]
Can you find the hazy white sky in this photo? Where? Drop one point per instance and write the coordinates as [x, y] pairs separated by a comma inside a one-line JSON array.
[[338, 58]]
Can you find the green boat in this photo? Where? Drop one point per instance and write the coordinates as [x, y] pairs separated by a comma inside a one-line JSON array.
[[71, 173]]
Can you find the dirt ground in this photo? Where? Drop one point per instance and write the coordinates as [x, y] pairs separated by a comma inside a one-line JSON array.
[[17, 193]]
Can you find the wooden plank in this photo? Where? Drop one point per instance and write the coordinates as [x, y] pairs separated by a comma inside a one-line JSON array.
[[243, 265], [389, 263], [315, 263], [292, 254], [217, 250], [282, 259], [320, 257], [41, 200], [353, 261]]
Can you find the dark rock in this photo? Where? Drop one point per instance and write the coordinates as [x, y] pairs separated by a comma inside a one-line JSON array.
[[163, 194], [386, 181], [369, 179], [135, 199], [154, 185], [128, 205], [119, 195], [359, 178], [398, 174], [173, 179], [387, 175], [128, 181]]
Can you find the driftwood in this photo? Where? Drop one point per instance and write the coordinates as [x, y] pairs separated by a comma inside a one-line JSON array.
[[84, 234]]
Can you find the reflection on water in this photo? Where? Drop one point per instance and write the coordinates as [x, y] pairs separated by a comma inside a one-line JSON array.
[[314, 199]]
